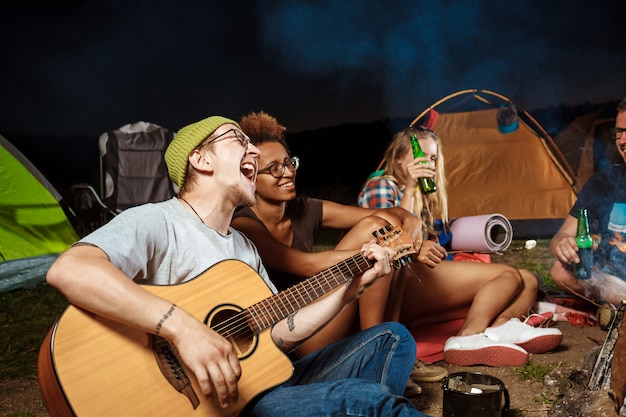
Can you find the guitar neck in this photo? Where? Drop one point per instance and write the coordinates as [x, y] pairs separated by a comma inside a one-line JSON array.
[[275, 308]]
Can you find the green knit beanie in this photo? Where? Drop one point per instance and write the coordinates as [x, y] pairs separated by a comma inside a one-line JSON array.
[[185, 141]]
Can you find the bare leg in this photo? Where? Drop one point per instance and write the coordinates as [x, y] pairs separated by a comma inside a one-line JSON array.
[[524, 302], [486, 306], [394, 299], [373, 302], [369, 310], [480, 293]]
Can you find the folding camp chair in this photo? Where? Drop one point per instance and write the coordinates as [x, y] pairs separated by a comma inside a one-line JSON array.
[[132, 172]]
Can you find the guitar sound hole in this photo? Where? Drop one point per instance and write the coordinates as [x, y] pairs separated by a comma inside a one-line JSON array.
[[230, 322]]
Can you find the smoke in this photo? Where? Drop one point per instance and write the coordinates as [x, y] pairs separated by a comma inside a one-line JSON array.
[[83, 67], [539, 54]]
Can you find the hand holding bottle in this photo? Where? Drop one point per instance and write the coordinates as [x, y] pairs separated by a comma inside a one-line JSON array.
[[582, 268], [566, 250], [426, 184], [418, 168]]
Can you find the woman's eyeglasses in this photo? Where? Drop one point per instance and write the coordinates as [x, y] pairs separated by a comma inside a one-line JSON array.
[[277, 170]]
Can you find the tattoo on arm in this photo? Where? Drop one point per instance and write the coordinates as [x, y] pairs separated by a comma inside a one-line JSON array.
[[291, 324], [165, 317]]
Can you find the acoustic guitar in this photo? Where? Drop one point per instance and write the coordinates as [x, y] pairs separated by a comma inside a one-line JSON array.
[[92, 366]]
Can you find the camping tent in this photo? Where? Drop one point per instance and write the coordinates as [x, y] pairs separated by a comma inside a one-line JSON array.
[[587, 145], [34, 229], [494, 166]]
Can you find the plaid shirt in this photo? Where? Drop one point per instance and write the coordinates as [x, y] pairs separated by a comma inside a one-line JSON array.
[[380, 193], [383, 193]]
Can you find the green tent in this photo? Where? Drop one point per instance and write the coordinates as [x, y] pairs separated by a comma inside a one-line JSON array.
[[34, 229]]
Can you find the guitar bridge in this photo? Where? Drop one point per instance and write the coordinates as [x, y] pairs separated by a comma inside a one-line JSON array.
[[172, 369]]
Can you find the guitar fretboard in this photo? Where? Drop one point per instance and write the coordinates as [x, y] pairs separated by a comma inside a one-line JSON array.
[[265, 313]]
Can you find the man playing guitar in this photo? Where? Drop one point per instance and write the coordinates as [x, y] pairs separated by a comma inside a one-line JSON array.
[[172, 242]]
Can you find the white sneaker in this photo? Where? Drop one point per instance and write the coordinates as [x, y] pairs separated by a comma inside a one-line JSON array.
[[478, 349], [532, 339]]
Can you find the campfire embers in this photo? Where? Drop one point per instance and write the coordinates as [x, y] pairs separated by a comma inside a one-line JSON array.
[[601, 394]]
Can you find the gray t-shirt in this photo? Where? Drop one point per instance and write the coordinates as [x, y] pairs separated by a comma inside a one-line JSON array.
[[163, 244]]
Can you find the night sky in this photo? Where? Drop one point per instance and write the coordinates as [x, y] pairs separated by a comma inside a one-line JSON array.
[[79, 68]]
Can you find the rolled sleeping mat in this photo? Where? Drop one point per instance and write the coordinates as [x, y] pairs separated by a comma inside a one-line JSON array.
[[488, 233]]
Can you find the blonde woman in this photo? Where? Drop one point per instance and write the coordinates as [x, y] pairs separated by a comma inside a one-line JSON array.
[[489, 299]]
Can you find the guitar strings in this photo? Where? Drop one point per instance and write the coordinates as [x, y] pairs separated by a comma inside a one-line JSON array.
[[262, 309], [239, 324]]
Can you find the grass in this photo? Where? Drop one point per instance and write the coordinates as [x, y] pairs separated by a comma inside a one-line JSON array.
[[534, 372], [27, 314], [537, 260], [25, 317]]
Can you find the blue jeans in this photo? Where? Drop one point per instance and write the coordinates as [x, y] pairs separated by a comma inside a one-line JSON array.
[[362, 375]]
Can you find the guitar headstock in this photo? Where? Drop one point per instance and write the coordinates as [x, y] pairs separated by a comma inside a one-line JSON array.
[[396, 239]]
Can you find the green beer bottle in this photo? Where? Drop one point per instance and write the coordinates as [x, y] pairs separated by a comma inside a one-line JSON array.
[[427, 185], [582, 270]]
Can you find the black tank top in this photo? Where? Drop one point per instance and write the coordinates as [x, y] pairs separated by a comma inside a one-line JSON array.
[[306, 216]]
